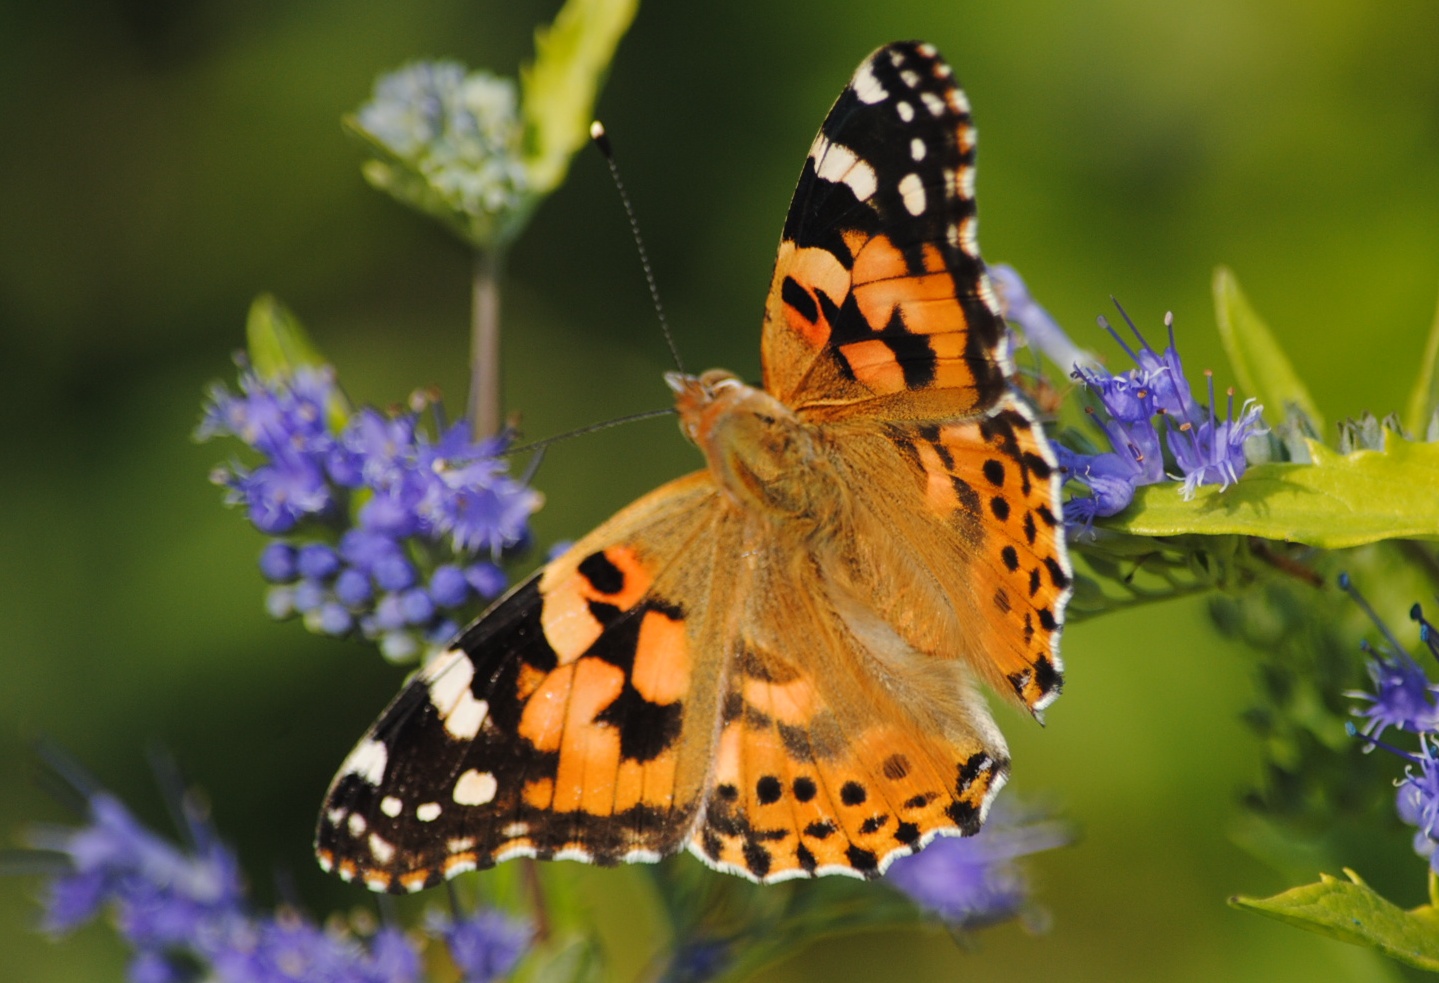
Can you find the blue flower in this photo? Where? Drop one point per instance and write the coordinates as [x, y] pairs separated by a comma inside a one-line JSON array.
[[1213, 453], [1418, 801], [1404, 698], [1148, 415], [373, 509], [1040, 329], [185, 915], [485, 945], [974, 880]]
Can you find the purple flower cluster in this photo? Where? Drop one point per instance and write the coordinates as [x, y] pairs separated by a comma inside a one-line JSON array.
[[1143, 412], [185, 915], [1403, 698], [386, 529], [973, 881]]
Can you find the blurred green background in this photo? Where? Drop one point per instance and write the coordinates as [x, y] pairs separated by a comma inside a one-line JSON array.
[[163, 161]]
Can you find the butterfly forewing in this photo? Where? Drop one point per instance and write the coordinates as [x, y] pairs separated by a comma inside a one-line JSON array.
[[574, 720], [878, 288]]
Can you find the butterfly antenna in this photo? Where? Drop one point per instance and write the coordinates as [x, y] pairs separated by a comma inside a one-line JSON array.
[[602, 141], [539, 445]]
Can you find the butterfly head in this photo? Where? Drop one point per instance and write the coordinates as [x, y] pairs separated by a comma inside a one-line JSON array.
[[761, 452]]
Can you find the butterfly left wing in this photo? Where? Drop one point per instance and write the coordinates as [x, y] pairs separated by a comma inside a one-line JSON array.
[[878, 291], [575, 720]]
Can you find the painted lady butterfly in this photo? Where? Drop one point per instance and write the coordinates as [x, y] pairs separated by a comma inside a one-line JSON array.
[[771, 661]]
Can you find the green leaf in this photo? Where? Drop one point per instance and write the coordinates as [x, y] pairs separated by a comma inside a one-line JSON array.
[[1260, 365], [1424, 400], [277, 344], [1337, 501], [571, 57], [1352, 912]]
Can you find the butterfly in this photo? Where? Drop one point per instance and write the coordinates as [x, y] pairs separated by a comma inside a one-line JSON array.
[[771, 662]]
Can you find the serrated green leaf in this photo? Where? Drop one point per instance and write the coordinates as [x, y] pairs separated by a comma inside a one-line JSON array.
[[1353, 912], [1337, 501], [559, 88], [1424, 400], [1260, 365]]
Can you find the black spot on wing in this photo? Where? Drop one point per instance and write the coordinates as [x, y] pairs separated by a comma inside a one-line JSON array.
[[604, 576], [798, 298]]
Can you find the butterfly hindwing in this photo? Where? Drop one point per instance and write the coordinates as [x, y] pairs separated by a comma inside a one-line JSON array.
[[878, 288], [573, 720], [995, 484], [821, 769]]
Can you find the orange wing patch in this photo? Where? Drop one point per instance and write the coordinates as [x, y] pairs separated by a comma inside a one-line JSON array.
[[553, 728], [995, 482], [800, 790]]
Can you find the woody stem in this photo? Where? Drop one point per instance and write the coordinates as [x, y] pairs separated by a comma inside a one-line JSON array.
[[484, 402]]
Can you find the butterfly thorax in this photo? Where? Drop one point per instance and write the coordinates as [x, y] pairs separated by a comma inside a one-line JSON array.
[[767, 460]]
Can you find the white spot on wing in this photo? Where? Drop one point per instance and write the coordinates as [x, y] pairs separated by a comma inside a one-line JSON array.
[[516, 830], [905, 110], [933, 103], [450, 676], [837, 163], [391, 806], [335, 816], [475, 788], [464, 721], [381, 849], [970, 244], [367, 762], [427, 812], [927, 49], [986, 294], [913, 190], [909, 78], [868, 88], [917, 149], [460, 844], [464, 866], [966, 182], [357, 824]]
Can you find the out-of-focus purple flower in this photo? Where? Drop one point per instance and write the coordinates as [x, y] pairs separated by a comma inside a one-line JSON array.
[[1418, 801], [484, 945], [184, 913], [402, 504], [974, 880], [1144, 412], [1039, 327]]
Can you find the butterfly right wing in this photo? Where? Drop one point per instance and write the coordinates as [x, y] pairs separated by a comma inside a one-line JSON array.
[[575, 720]]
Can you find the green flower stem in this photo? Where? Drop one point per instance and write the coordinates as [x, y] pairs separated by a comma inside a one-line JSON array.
[[484, 399]]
